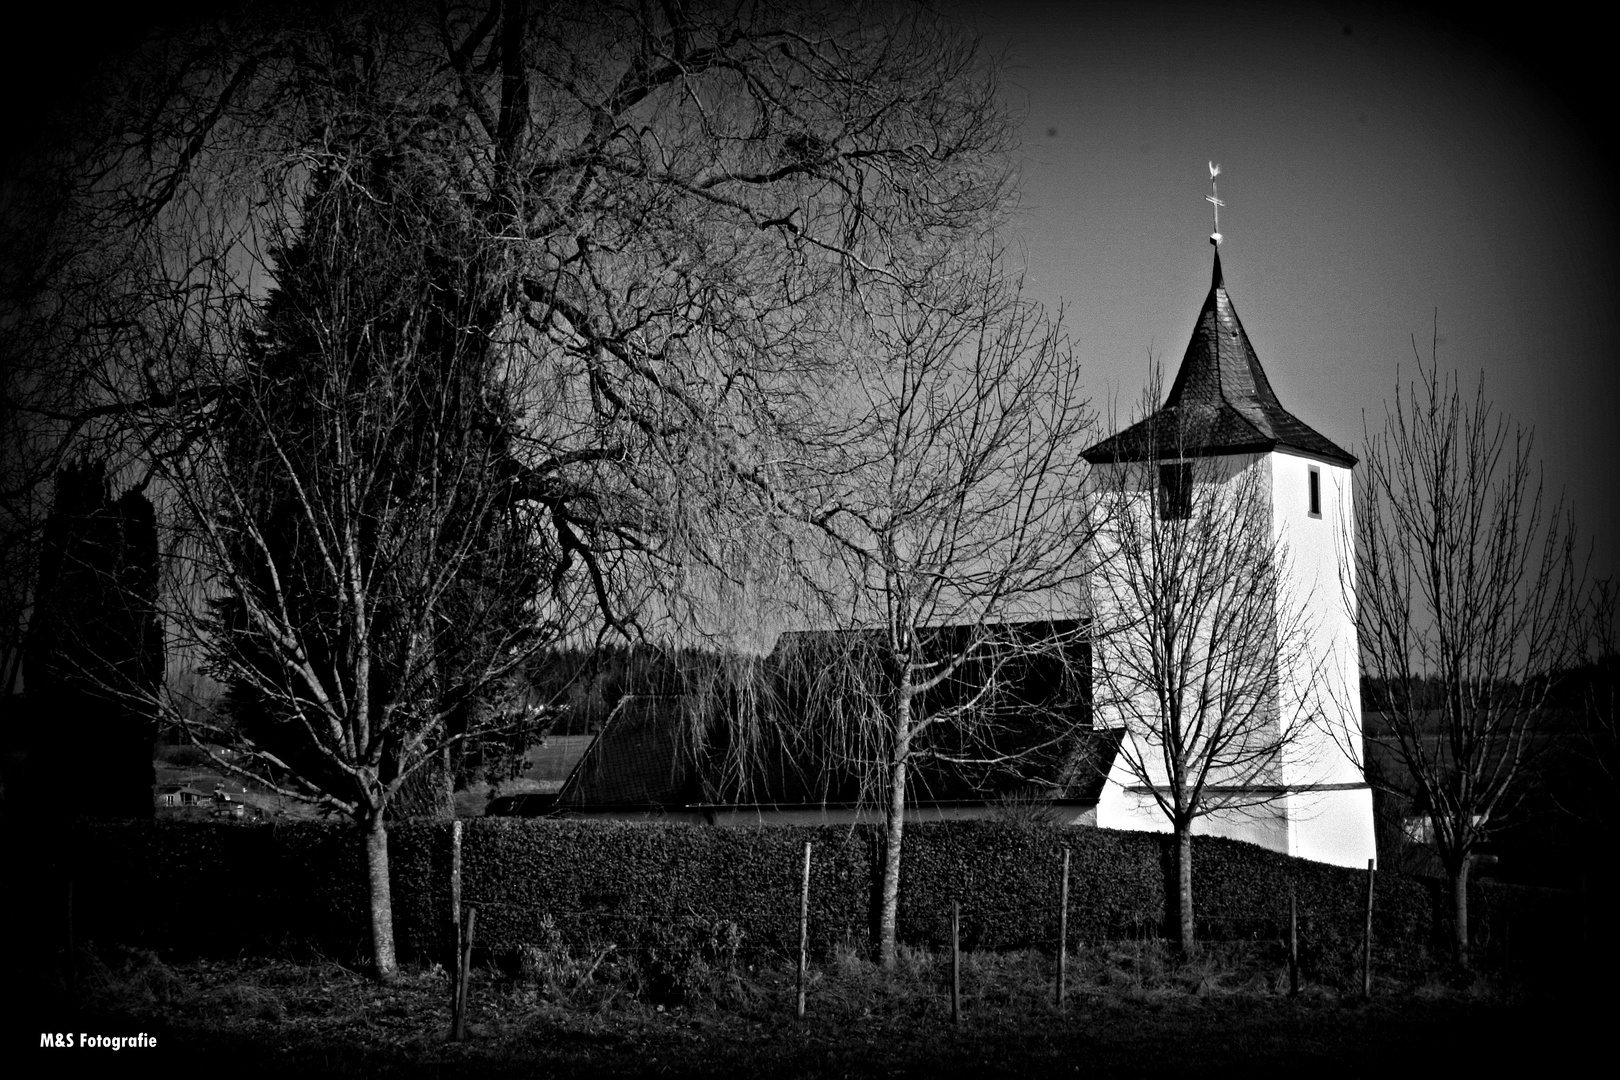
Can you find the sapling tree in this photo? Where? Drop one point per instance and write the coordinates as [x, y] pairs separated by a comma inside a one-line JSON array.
[[952, 528], [1469, 606], [1195, 637]]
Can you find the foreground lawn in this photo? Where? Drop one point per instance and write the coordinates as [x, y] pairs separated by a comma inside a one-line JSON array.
[[1127, 1015]]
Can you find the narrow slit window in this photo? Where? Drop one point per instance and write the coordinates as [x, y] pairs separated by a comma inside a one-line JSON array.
[[1175, 491], [1316, 492]]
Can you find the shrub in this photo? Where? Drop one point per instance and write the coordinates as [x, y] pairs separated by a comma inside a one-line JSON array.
[[690, 959]]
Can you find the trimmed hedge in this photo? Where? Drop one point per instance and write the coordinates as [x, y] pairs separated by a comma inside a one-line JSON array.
[[205, 888], [619, 882], [212, 888]]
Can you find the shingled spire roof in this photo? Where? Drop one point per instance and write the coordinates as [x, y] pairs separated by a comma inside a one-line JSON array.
[[1221, 402]]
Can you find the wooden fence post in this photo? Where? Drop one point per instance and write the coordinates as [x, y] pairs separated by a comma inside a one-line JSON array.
[[1293, 944], [956, 961], [1063, 932], [453, 961], [804, 927], [1366, 959], [458, 1022]]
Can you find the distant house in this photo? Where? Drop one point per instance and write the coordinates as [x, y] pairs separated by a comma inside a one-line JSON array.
[[235, 804], [179, 795]]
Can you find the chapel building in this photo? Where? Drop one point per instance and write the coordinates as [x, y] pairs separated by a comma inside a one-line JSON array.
[[1222, 424]]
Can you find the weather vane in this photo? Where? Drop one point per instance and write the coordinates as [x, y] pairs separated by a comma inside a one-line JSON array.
[[1213, 198]]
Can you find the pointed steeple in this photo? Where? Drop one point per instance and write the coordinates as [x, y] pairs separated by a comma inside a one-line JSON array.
[[1220, 364], [1221, 401]]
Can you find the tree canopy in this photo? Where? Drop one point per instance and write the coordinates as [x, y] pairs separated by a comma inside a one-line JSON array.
[[444, 333]]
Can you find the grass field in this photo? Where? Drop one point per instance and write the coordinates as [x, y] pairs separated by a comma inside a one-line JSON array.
[[1130, 1012], [190, 766]]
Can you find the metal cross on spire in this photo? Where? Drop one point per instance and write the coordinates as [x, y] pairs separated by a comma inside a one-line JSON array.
[[1213, 198]]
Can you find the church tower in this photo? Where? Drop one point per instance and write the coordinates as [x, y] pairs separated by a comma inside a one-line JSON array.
[[1222, 425]]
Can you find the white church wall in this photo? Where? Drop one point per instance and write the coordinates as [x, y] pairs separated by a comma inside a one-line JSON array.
[[1319, 693], [1265, 824], [1323, 682], [1115, 703], [1126, 804], [1333, 826]]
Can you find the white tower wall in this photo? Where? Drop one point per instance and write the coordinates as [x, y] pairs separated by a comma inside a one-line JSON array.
[[1316, 805], [1325, 682]]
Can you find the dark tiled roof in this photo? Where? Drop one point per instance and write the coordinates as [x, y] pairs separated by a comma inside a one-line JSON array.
[[640, 766], [638, 760], [1220, 403], [1036, 744]]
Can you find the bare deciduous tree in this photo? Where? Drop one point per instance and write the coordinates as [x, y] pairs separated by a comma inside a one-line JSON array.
[[568, 276], [953, 527], [1197, 642], [379, 563], [1468, 608]]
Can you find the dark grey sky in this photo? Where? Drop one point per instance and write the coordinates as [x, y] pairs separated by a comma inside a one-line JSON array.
[[1378, 166]]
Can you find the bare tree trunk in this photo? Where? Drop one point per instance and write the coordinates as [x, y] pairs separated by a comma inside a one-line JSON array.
[[382, 903], [449, 784], [1459, 910], [1184, 892], [888, 914]]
